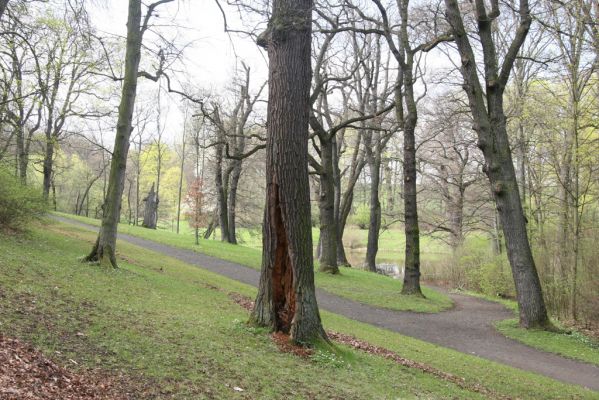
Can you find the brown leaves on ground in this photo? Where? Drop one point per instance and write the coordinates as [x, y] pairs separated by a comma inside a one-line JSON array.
[[26, 374], [390, 355], [283, 343], [242, 301]]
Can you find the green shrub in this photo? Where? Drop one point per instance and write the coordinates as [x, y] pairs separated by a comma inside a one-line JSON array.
[[19, 204], [361, 216]]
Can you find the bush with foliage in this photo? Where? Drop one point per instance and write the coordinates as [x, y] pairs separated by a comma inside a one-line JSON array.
[[19, 204], [361, 216]]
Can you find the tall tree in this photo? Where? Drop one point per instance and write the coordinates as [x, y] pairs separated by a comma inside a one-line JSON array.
[[486, 106], [104, 250], [286, 298]]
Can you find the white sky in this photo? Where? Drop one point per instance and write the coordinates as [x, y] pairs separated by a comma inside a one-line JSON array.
[[211, 56]]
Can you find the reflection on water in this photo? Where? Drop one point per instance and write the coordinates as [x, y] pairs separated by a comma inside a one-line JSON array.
[[386, 266]]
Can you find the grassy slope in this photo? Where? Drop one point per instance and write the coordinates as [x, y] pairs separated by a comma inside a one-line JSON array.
[[158, 317], [362, 286], [172, 328], [573, 345]]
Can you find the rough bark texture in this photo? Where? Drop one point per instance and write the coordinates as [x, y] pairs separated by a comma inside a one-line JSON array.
[[490, 126], [411, 282], [221, 183], [326, 204], [286, 298], [404, 95], [374, 226], [232, 203], [105, 247]]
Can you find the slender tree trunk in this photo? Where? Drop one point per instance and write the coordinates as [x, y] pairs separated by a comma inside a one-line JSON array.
[[47, 167], [104, 249], [286, 298], [347, 200], [411, 282], [326, 203], [221, 191], [232, 203], [137, 183], [54, 207], [374, 226], [456, 219], [22, 156], [180, 184]]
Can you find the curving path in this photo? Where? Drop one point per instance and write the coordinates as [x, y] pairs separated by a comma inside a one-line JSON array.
[[468, 327]]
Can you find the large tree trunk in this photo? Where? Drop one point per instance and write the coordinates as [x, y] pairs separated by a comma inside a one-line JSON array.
[[286, 298], [502, 176], [490, 126], [326, 203], [104, 249]]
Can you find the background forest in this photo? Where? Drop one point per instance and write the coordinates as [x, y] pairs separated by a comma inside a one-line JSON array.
[[196, 158]]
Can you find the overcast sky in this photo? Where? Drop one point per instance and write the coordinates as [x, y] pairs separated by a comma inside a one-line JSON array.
[[211, 56]]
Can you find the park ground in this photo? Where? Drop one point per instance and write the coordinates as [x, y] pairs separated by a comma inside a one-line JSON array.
[[165, 329]]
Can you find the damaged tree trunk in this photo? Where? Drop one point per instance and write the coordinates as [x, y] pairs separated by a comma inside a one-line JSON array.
[[150, 209], [286, 298]]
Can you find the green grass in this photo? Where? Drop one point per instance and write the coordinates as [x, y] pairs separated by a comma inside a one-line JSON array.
[[572, 345], [368, 288], [508, 303], [355, 284], [161, 321]]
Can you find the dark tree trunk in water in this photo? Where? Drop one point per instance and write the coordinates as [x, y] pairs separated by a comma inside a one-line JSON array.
[[104, 249], [490, 126], [150, 208], [326, 204], [286, 298]]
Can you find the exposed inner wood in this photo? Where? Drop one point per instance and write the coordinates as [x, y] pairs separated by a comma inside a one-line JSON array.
[[282, 271]]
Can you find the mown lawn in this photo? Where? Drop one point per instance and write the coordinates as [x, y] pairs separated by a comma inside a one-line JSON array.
[[569, 344], [165, 321], [352, 283]]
